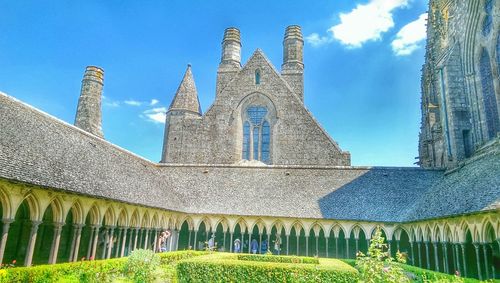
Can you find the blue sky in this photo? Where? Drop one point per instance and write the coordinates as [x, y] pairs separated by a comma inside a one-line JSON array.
[[362, 63]]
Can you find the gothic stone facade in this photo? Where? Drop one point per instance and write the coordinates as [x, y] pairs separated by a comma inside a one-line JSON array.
[[286, 134], [460, 81], [256, 165]]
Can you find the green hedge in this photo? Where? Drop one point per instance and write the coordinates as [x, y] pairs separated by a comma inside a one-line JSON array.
[[84, 271], [173, 257], [224, 267], [277, 258], [425, 275]]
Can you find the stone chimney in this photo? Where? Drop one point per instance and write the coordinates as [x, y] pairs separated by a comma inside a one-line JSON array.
[[88, 113], [292, 69], [230, 63]]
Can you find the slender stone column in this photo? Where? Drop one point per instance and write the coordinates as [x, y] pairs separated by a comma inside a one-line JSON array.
[[317, 246], [195, 244], [397, 246], [176, 239], [493, 274], [457, 257], [231, 242], [5, 236], [155, 240], [94, 243], [336, 247], [326, 242], [486, 266], [31, 243], [389, 250], [412, 254], [307, 245], [146, 238], [435, 245], [427, 254], [297, 235], [249, 242], [91, 240], [73, 242], [78, 238], [356, 241], [111, 240], [347, 248], [445, 256], [105, 242], [463, 257], [287, 244], [130, 240], [124, 242], [136, 238], [189, 238], [260, 243], [476, 247], [419, 254], [54, 250], [118, 239], [268, 241]]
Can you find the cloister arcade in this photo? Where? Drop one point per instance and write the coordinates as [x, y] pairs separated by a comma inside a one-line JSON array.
[[42, 226]]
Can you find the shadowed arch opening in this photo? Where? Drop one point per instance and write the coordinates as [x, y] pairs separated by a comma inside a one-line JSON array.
[[19, 234]]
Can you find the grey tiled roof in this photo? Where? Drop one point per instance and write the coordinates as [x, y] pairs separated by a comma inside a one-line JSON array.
[[38, 149]]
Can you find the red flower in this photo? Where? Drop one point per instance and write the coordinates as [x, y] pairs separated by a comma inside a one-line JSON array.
[[91, 258], [14, 261]]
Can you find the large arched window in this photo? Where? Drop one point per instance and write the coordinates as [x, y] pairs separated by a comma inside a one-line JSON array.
[[488, 91], [256, 134], [488, 20]]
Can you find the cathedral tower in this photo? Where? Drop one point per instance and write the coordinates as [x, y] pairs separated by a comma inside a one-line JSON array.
[[230, 63], [292, 69], [88, 114]]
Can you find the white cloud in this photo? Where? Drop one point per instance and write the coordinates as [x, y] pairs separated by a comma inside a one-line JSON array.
[[154, 102], [155, 115], [133, 102], [110, 103], [315, 40], [410, 37], [364, 23]]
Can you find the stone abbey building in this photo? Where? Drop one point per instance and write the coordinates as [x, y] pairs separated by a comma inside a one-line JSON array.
[[67, 193]]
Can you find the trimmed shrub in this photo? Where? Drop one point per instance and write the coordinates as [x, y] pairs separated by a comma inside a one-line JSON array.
[[173, 257], [425, 275], [277, 258], [141, 265], [223, 267], [83, 271]]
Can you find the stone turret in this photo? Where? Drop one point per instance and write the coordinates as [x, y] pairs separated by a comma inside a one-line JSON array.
[[186, 97], [230, 63], [88, 114], [185, 107], [292, 69]]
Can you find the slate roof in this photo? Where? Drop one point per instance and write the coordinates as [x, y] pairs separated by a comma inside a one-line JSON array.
[[38, 149]]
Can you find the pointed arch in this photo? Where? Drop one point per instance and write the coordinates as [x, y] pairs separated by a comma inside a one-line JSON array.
[[57, 210], [135, 220], [123, 217], [145, 220], [34, 206], [76, 210], [155, 221]]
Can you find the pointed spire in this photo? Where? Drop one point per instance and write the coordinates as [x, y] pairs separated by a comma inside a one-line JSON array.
[[186, 97]]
